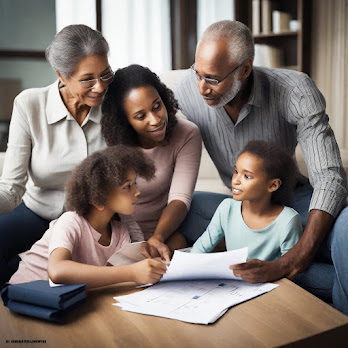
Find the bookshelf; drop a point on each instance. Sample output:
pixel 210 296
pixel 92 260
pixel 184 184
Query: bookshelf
pixel 291 47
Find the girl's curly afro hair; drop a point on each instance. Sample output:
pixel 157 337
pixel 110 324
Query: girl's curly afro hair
pixel 92 181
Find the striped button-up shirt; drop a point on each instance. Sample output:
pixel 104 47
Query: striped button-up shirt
pixel 285 107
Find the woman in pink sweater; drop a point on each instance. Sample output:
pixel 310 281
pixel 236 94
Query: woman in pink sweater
pixel 139 110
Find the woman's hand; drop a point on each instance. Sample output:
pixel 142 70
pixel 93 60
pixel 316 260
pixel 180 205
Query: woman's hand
pixel 155 248
pixel 148 271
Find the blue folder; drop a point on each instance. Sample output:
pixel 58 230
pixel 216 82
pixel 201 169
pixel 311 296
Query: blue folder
pixel 39 300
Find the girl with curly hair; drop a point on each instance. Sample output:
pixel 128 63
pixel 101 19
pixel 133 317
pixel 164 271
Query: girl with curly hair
pixel 139 110
pixel 257 217
pixel 77 245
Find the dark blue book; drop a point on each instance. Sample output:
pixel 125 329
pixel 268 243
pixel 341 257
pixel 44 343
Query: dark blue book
pixel 50 314
pixel 41 294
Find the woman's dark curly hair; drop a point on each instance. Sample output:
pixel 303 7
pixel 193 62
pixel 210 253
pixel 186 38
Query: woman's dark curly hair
pixel 278 164
pixel 115 126
pixel 92 181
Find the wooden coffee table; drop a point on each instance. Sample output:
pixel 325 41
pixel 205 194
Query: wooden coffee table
pixel 287 315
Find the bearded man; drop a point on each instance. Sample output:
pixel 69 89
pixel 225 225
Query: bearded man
pixel 233 102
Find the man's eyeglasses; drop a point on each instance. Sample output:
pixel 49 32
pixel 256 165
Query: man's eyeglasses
pixel 213 82
pixel 90 83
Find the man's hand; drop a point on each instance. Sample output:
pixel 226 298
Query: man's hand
pixel 155 248
pixel 296 260
pixel 257 271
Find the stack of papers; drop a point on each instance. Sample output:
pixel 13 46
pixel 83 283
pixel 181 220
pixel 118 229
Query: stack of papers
pixel 197 288
pixel 197 301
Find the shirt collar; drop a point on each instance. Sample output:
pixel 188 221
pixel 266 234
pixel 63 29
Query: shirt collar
pixel 96 236
pixel 255 94
pixel 95 114
pixel 56 109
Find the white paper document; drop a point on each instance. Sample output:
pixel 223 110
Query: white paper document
pixel 128 254
pixel 185 266
pixel 197 288
pixel 195 301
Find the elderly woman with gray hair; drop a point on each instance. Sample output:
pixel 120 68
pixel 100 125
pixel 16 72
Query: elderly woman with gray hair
pixel 52 129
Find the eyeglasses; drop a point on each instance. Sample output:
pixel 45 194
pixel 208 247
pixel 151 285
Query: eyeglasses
pixel 213 82
pixel 90 83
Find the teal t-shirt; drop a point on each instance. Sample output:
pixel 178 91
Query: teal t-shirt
pixel 267 244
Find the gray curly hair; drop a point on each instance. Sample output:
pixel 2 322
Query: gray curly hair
pixel 240 39
pixel 73 43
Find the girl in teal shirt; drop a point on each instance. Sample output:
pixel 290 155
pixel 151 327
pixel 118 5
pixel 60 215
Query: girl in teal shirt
pixel 257 217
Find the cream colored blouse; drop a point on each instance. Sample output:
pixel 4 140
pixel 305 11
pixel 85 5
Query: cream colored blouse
pixel 45 144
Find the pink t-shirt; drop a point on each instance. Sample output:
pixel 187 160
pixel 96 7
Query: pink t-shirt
pixel 74 233
pixel 177 165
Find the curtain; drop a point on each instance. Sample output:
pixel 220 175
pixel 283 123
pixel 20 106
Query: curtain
pixel 138 31
pixel 329 62
pixel 75 12
pixel 210 11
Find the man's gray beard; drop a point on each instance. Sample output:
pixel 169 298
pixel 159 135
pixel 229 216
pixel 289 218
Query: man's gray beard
pixel 229 95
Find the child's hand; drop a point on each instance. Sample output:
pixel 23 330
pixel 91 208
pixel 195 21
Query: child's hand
pixel 148 271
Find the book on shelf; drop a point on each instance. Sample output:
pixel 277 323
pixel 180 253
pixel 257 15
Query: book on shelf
pixel 266 15
pixel 280 21
pixel 256 16
pixel 268 56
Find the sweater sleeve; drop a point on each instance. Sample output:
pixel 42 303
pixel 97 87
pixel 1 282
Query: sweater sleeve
pixel 133 228
pixel 188 157
pixel 15 171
